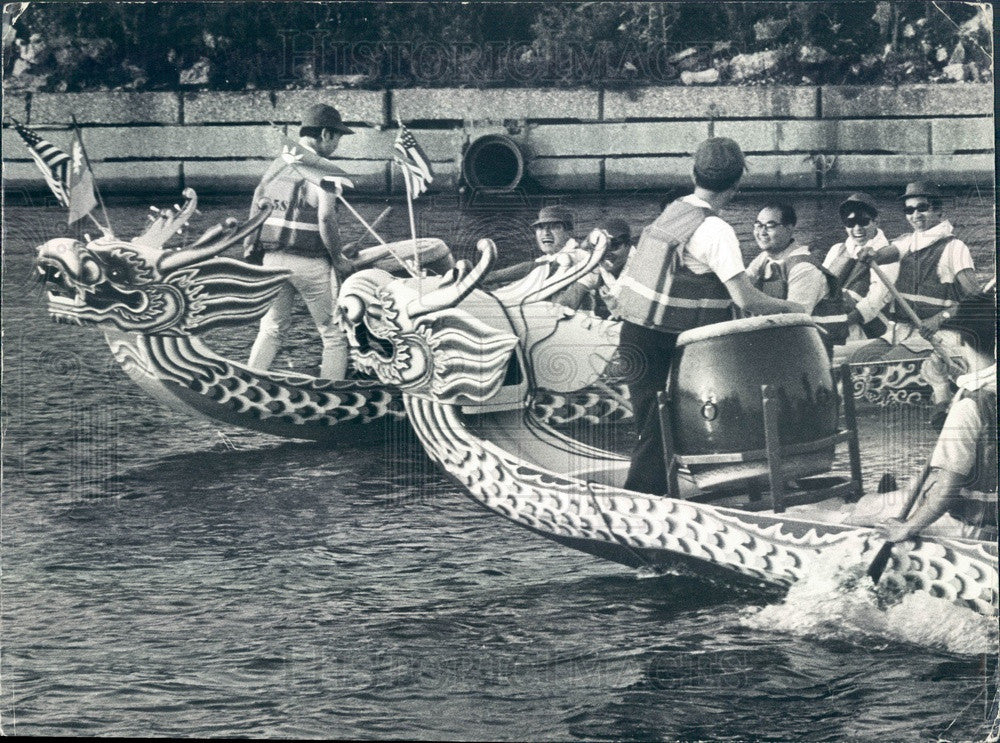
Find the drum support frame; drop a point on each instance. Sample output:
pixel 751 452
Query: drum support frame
pixel 780 496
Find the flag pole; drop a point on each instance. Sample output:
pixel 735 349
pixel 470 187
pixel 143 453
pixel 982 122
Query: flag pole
pixel 97 189
pixel 409 208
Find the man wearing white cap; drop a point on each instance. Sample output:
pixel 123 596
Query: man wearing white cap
pixel 686 271
pixel 302 236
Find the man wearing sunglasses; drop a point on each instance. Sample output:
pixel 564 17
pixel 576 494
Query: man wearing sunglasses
pixel 862 289
pixel 934 271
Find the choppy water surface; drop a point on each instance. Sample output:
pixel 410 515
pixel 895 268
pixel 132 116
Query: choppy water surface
pixel 164 576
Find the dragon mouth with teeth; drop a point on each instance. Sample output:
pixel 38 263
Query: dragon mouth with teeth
pixel 139 286
pixel 71 298
pixel 413 334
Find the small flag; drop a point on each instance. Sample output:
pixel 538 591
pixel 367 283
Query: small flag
pixel 80 183
pixel 53 162
pixel 413 161
pixel 313 167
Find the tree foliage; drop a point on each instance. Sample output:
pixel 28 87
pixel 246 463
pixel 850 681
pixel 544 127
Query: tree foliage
pixel 276 45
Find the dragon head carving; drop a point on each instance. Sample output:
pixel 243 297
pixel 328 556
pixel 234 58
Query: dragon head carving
pixel 444 339
pixel 419 335
pixel 137 286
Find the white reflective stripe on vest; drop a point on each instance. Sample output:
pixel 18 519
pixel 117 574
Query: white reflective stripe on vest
pixel 301 226
pixel 927 300
pixel 655 296
pixel 829 318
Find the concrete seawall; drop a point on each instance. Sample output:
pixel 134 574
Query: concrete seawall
pixel 575 140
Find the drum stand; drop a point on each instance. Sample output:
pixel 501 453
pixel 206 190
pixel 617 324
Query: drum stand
pixel 774 453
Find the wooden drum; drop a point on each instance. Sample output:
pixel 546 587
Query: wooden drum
pixel 715 399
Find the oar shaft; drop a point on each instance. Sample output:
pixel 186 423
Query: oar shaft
pixel 881 560
pixel 914 318
pixel 361 219
pixel 378 221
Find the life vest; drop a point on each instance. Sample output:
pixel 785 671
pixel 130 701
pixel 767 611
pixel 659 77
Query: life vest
pixel 293 226
pixel 977 505
pixel 860 280
pixel 657 291
pixel 829 312
pixel 919 284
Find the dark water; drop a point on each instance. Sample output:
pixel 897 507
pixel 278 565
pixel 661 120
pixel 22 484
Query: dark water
pixel 164 576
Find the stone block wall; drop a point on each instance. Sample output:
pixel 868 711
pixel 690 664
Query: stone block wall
pixel 573 140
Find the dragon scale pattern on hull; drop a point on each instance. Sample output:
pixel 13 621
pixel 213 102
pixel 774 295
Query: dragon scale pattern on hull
pixel 774 550
pixel 167 366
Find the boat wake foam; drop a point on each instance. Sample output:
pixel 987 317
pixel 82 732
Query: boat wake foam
pixel 835 599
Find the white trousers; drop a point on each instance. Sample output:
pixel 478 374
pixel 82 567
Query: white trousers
pixel 316 282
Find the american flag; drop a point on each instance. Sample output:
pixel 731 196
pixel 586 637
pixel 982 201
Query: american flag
pixel 413 162
pixel 53 162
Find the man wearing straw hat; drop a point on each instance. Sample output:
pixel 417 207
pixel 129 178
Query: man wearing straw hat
pixel 302 236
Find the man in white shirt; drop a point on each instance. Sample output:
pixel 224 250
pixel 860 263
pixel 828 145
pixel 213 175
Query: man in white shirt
pixel 771 271
pixel 302 236
pixel 962 477
pixel 934 271
pixel 687 271
pixel 787 270
pixel 554 235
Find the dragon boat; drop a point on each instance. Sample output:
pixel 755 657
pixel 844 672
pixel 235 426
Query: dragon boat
pixel 751 497
pixel 154 304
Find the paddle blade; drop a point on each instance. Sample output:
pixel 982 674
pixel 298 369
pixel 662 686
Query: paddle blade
pixel 878 565
pixel 887 483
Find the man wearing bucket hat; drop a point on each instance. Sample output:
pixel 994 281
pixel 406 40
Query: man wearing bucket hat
pixel 302 236
pixel 862 289
pixel 934 271
pixel 686 271
pixel 961 476
pixel 935 268
pixel 553 235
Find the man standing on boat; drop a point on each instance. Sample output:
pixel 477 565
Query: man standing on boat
pixel 302 236
pixel 784 269
pixel 961 479
pixel 686 271
pixel 861 287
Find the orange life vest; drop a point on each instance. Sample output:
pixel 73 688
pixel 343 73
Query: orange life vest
pixel 293 226
pixel 657 291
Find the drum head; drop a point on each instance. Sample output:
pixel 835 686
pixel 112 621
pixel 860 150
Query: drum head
pixel 747 325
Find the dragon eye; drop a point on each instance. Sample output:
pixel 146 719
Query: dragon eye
pixel 352 308
pixel 90 271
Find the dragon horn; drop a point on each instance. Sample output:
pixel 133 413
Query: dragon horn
pixel 458 282
pixel 181 258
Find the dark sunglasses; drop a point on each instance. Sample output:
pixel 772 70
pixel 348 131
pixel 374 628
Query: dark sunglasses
pixel 854 221
pixel 922 208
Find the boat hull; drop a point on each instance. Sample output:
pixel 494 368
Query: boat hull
pixel 571 494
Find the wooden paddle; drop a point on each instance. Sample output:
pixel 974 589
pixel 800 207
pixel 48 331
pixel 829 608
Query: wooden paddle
pixel 881 560
pixel 915 319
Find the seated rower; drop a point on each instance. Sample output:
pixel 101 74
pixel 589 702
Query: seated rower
pixel 959 496
pixel 786 270
pixel 934 271
pixel 862 288
pixel 553 235
pixel 619 248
